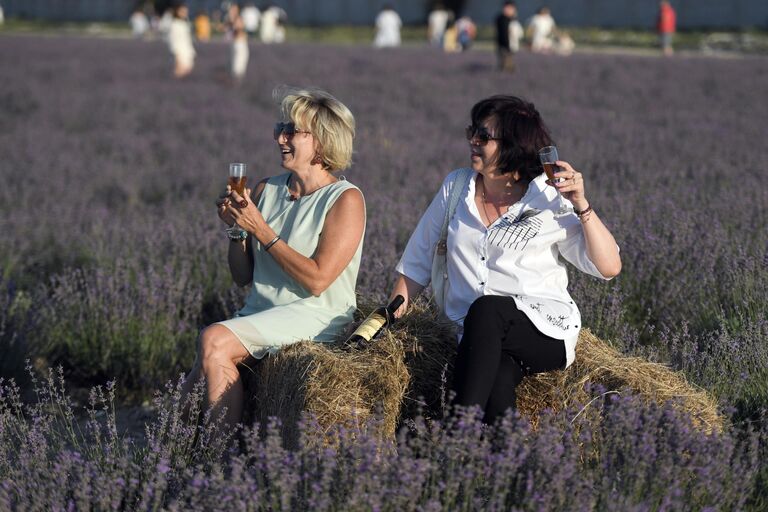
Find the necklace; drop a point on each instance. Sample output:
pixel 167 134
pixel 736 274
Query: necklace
pixel 485 211
pixel 295 196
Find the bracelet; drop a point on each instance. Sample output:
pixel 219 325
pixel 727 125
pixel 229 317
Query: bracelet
pixel 237 235
pixel 271 243
pixel 585 211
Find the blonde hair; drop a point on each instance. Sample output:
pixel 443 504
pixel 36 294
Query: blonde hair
pixel 328 119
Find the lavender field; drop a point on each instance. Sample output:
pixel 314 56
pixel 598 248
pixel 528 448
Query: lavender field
pixel 112 258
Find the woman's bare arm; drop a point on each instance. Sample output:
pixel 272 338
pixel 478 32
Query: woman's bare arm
pixel 342 231
pixel 239 257
pixel 409 289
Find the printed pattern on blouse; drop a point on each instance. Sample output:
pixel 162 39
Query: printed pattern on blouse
pixel 515 234
pixel 557 320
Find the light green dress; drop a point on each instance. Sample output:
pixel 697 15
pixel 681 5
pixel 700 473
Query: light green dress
pixel 278 311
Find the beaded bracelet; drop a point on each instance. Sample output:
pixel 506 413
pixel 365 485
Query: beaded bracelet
pixel 236 235
pixel 272 242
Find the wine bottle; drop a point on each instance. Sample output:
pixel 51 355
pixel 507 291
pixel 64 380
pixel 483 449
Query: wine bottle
pixel 374 323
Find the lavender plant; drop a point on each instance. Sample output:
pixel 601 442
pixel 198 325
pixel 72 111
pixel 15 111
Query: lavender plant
pixel 112 258
pixel 616 453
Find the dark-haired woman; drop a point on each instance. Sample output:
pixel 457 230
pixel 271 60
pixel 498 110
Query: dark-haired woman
pixel 507 284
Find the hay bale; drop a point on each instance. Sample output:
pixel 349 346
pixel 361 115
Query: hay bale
pixel 337 387
pixel 597 362
pixel 430 348
pixel 408 370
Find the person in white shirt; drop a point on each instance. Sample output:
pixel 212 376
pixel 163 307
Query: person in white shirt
pixel 388 25
pixel 437 22
pixel 163 24
pixel 180 42
pixel 516 34
pixel 271 28
pixel 506 286
pixel 541 31
pixel 251 15
pixel 139 23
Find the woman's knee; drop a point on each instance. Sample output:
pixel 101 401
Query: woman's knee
pixel 217 343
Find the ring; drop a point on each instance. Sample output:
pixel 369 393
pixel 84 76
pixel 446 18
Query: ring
pixel 243 203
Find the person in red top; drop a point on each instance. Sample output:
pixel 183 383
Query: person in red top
pixel 666 26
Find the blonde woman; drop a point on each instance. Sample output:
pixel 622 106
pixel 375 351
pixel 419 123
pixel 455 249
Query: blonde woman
pixel 301 256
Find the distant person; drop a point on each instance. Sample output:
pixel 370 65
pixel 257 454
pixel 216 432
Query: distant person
pixel 666 25
pixel 180 41
pixel 251 15
pixel 508 34
pixel 466 31
pixel 388 24
pixel 541 31
pixel 231 15
pixel 451 38
pixel 139 23
pixel 516 34
pixel 437 23
pixel 202 27
pixel 563 43
pixel 272 25
pixel 240 51
pixel 154 19
pixel 282 18
pixel 163 23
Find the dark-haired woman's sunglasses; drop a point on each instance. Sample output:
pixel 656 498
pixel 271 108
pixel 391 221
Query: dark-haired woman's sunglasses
pixel 479 135
pixel 287 129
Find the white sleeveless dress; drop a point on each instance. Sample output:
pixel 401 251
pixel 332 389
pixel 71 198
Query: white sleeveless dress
pixel 278 311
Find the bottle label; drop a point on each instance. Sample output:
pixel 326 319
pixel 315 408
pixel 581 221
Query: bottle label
pixel 368 329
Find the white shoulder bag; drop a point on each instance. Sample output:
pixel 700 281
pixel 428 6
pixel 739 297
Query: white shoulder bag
pixel 439 259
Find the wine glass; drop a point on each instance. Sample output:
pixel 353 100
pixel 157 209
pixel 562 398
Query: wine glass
pixel 237 179
pixel 548 157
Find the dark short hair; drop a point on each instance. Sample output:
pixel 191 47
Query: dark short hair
pixel 521 130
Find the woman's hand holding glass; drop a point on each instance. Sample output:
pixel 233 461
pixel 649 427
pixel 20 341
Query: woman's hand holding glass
pixel 236 181
pixel 248 217
pixel 571 185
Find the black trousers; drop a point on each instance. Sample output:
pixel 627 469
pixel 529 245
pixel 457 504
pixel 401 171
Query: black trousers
pixel 499 347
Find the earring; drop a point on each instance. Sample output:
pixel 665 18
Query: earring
pixel 317 160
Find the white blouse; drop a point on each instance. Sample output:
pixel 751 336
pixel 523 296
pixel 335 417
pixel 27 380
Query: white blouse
pixel 517 256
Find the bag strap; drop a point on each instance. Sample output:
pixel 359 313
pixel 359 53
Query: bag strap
pixel 462 178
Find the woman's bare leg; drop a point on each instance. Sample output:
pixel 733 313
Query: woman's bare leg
pixel 220 353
